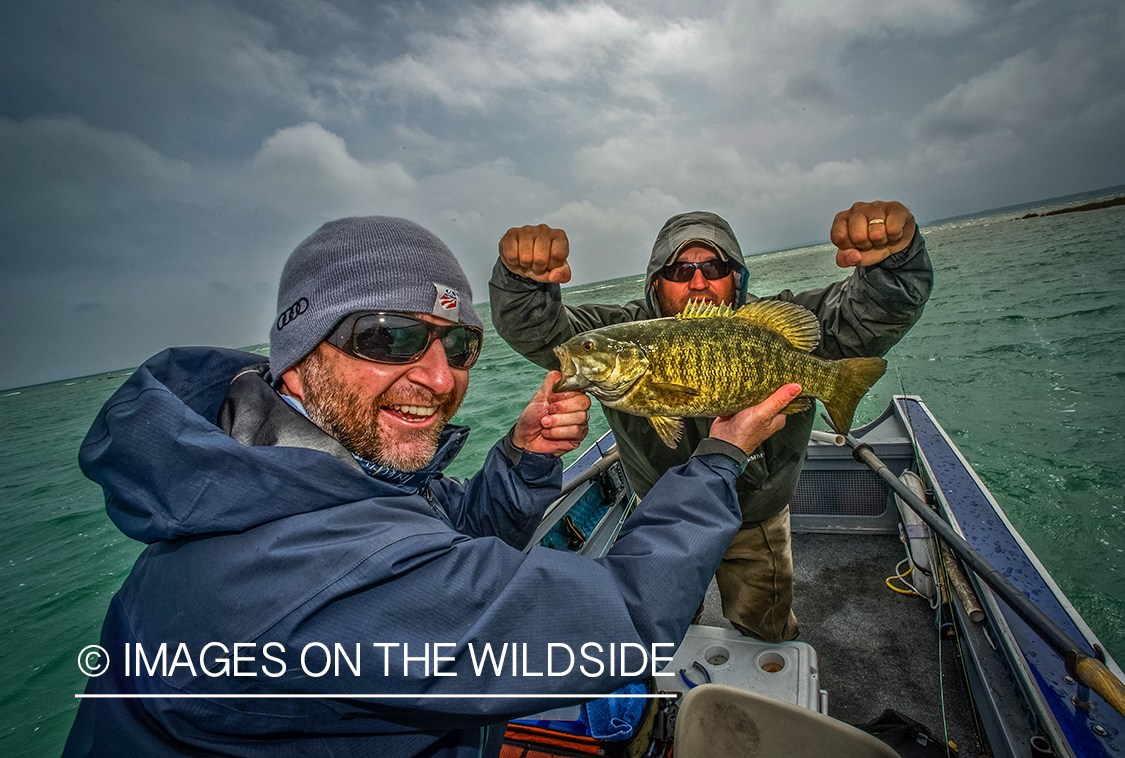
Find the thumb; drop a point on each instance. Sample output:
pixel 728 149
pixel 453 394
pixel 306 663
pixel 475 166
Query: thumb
pixel 559 275
pixel 782 397
pixel 848 257
pixel 548 385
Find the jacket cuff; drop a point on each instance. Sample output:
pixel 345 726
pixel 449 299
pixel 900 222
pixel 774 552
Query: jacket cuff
pixel 715 446
pixel 903 256
pixel 536 469
pixel 514 453
pixel 517 455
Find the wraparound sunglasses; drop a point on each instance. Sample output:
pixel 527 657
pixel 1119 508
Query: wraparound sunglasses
pixel 388 337
pixel 684 271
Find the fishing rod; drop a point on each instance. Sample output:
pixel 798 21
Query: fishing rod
pixel 1091 671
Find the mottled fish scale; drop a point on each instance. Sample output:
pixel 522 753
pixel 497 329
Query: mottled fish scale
pixel 700 356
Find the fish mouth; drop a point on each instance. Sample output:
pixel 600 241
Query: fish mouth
pixel 611 393
pixel 571 379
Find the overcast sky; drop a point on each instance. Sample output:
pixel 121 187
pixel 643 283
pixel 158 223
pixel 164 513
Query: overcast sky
pixel 159 159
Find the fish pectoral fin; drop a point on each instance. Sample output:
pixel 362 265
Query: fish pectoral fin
pixel 669 429
pixel 799 405
pixel 672 394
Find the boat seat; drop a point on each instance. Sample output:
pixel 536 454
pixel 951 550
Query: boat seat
pixel 716 721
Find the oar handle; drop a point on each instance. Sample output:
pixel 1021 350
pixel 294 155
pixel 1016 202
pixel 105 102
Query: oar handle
pixel 1097 676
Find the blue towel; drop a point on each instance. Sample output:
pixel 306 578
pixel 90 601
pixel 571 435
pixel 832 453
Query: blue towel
pixel 614 719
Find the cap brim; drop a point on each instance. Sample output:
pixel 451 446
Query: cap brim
pixel 695 242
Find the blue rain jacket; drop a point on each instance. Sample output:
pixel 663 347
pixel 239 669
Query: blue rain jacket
pixel 276 568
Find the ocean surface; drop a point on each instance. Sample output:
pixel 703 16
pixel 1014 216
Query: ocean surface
pixel 1019 355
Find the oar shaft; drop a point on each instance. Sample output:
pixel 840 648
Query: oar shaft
pixel 597 467
pixel 1043 625
pixel 1087 669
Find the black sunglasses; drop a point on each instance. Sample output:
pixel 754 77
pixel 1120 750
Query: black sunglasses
pixel 684 271
pixel 385 337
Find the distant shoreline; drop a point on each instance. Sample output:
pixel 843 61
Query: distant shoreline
pixel 1007 209
pixel 1087 207
pixel 1089 195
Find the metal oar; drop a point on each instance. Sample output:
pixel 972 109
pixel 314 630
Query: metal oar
pixel 1087 669
pixel 599 466
pixel 550 518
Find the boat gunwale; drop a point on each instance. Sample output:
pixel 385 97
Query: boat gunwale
pixel 1044 689
pixel 1088 634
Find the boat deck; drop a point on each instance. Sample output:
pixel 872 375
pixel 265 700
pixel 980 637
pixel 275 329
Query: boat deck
pixel 879 650
pixel 876 649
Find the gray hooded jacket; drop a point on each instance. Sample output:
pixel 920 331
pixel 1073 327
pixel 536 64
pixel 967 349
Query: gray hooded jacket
pixel 863 315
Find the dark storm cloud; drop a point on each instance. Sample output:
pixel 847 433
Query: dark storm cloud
pixel 158 159
pixel 68 191
pixel 810 86
pixel 1053 82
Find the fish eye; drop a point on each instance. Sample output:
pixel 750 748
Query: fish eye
pixel 588 345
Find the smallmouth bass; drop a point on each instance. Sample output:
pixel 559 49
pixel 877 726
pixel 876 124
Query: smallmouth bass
pixel 711 361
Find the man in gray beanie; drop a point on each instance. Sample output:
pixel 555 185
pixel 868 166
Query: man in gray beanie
pixel 696 257
pixel 313 583
pixel 368 266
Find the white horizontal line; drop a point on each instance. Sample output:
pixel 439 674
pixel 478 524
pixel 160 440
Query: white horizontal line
pixel 375 696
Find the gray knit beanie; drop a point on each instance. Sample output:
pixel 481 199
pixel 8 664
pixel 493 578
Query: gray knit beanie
pixel 363 264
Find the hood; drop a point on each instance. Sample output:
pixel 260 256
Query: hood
pixel 168 471
pixel 701 226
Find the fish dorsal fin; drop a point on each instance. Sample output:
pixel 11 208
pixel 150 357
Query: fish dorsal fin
pixel 704 309
pixel 793 322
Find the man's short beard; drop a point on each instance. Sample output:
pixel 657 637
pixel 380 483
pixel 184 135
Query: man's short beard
pixel 339 411
pixel 669 307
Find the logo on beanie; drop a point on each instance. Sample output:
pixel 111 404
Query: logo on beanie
pixel 292 312
pixel 447 302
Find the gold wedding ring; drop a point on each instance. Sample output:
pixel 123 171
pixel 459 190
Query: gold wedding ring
pixel 876 221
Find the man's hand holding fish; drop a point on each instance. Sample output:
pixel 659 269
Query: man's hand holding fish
pixel 752 426
pixel 554 422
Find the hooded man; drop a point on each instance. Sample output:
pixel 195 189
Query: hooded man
pixel 696 256
pixel 313 584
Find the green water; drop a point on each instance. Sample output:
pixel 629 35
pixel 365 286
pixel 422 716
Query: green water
pixel 1017 355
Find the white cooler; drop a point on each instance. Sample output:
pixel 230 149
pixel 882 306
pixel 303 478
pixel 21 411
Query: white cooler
pixel 786 671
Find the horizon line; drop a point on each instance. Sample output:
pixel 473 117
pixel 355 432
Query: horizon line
pixel 377 696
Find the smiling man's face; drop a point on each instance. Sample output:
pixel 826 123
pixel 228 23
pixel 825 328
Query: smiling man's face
pixel 389 414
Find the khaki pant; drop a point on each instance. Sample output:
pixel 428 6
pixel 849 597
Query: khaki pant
pixel 755 581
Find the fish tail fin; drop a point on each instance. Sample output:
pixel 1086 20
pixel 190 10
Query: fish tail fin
pixel 857 376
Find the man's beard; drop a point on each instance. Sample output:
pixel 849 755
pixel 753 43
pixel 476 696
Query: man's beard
pixel 671 307
pixel 355 424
